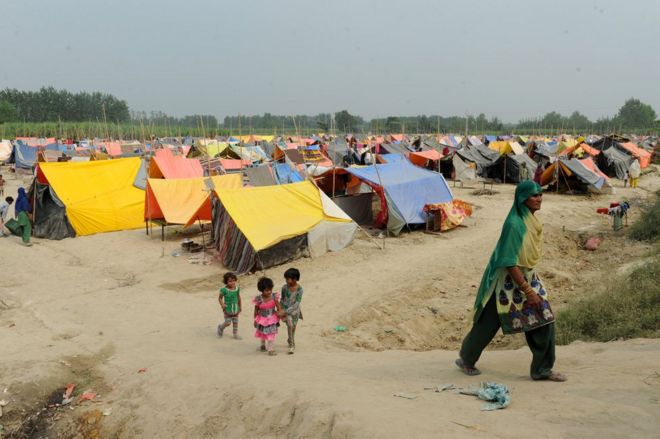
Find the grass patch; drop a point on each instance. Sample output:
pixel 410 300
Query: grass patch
pixel 628 307
pixel 647 228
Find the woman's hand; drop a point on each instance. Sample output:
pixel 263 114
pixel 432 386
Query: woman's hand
pixel 534 300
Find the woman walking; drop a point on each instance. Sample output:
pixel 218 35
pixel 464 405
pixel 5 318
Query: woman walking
pixel 511 294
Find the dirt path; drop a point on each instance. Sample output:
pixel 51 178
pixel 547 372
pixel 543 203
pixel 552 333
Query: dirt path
pixel 95 310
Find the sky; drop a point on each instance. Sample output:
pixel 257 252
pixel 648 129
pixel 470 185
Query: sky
pixel 512 59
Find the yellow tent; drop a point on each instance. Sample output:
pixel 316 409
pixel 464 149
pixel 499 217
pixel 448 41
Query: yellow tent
pixel 183 200
pixel 501 146
pixel 98 196
pixel 504 147
pixel 267 215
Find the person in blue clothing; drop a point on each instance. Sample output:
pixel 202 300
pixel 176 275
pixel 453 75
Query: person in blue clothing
pixel 23 214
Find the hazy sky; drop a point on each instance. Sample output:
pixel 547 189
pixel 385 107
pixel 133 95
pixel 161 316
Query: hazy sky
pixel 506 58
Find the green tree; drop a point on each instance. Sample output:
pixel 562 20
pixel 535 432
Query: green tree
pixel 392 124
pixel 346 122
pixel 636 114
pixel 7 112
pixel 578 120
pixel 553 120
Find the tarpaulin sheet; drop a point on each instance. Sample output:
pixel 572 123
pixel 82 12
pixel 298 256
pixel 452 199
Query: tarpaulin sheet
pixel 643 155
pixel 589 164
pixel 392 158
pixel 285 174
pixel 463 172
pixel 408 186
pixel 261 176
pixel 180 200
pixel 166 165
pixel 25 156
pixel 358 207
pixel 210 148
pixel 252 153
pixel 270 214
pixel 614 162
pixel 99 196
pixel 583 173
pixel 5 150
pixel 419 158
pixel 234 164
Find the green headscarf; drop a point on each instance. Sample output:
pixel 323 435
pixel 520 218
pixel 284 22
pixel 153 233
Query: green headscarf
pixel 518 224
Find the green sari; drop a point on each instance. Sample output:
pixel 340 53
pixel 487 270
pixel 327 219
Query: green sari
pixel 520 244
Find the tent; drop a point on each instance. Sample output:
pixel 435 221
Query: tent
pixel 547 150
pixel 506 147
pixel 613 162
pixel 250 153
pixel 404 189
pixel 183 200
pixel 23 156
pixel 464 172
pixel 260 227
pixel 509 166
pixel 262 175
pixel 286 174
pixel 166 165
pixel 97 196
pixel 233 165
pixel 5 150
pixel 482 156
pixel 421 158
pixel 576 175
pixel 211 148
pixel 641 154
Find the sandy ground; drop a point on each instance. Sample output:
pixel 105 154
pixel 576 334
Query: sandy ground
pixel 95 310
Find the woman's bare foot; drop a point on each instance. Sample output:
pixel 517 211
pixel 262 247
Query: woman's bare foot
pixel 467 370
pixel 557 377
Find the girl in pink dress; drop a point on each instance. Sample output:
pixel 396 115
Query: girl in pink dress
pixel 267 311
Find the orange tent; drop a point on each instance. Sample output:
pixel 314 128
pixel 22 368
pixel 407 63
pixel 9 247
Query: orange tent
pixel 420 158
pixel 589 164
pixel 166 165
pixel 234 164
pixel 639 153
pixel 183 200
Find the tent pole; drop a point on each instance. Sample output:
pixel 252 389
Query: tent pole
pixel 334 177
pixel 201 226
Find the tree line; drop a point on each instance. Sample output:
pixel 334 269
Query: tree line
pixel 634 115
pixel 158 118
pixel 49 105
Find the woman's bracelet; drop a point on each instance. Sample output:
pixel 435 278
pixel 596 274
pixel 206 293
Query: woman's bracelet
pixel 526 289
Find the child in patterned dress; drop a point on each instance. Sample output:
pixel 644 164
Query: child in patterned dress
pixel 291 297
pixel 230 301
pixel 267 311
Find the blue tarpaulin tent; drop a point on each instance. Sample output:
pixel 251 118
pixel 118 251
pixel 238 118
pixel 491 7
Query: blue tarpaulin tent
pixel 407 189
pixel 392 158
pixel 24 156
pixel 285 174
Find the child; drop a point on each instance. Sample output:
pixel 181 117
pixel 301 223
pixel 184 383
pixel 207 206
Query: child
pixel 267 310
pixel 291 296
pixel 230 301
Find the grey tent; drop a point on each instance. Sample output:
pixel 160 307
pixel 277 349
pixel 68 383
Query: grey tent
pixel 614 162
pixel 337 149
pixel 507 168
pixel 480 155
pixel 394 148
pixel 261 175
